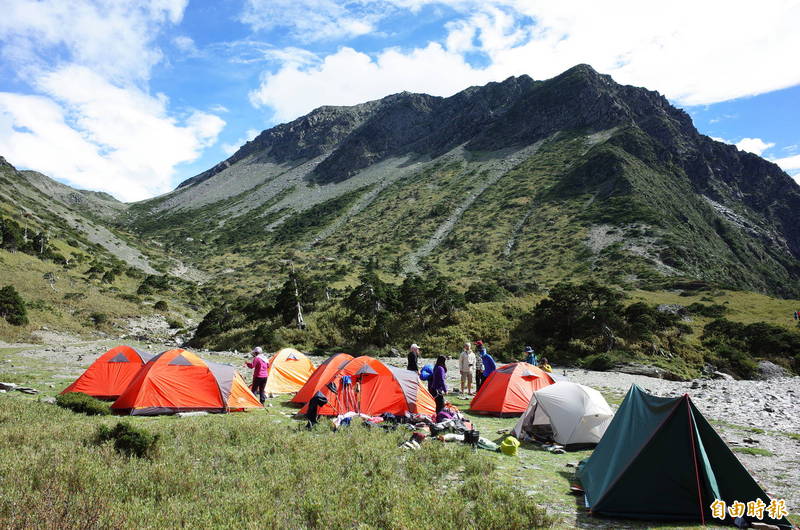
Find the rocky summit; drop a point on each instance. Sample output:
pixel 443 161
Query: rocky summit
pixel 570 177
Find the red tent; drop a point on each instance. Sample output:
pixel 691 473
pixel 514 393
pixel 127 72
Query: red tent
pixel 180 381
pixel 320 377
pixel 508 390
pixel 110 374
pixel 368 386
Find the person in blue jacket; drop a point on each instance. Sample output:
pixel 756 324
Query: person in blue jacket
pixel 531 356
pixel 488 362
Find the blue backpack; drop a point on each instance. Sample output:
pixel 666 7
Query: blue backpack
pixel 426 372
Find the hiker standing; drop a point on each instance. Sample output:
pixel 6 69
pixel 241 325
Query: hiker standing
pixel 260 366
pixel 531 356
pixel 413 358
pixel 488 362
pixel 478 366
pixel 466 363
pixel 437 385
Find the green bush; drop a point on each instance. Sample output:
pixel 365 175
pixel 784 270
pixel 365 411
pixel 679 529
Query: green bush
pixel 12 307
pixel 710 311
pixel 83 403
pixel 128 440
pixel 98 318
pixel 75 296
pixel 600 362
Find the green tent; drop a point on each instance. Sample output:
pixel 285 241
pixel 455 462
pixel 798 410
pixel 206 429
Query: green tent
pixel 661 460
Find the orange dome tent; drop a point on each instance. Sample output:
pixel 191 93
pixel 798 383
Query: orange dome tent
pixel 180 381
pixel 288 371
pixel 508 390
pixel 110 374
pixel 368 386
pixel 320 377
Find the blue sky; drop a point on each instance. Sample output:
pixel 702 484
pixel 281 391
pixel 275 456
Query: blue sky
pixel 132 98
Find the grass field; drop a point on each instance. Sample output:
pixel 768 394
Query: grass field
pixel 261 469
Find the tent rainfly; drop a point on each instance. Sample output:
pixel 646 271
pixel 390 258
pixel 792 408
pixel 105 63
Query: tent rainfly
pixel 661 460
pixel 366 385
pixel 288 371
pixel 571 414
pixel 180 381
pixel 111 373
pixel 508 390
pixel 320 377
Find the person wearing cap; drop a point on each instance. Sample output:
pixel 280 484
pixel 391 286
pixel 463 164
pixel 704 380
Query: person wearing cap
pixel 260 366
pixel 488 362
pixel 531 356
pixel 466 362
pixel 413 358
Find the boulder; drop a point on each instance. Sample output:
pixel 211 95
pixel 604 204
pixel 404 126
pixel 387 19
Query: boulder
pixel 768 370
pixel 650 371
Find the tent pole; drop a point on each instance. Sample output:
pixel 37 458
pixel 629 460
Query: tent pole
pixel 694 454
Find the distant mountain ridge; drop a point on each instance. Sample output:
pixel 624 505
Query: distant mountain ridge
pixel 575 176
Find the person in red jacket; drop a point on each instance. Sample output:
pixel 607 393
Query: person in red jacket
pixel 260 366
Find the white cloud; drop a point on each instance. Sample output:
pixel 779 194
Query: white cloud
pixel 95 135
pixel 312 20
pixel 694 53
pixel 754 145
pixel 229 149
pixel 349 77
pixel 112 38
pixel 186 45
pixel 789 163
pixel 90 120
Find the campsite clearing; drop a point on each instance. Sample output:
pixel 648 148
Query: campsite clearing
pixel 205 471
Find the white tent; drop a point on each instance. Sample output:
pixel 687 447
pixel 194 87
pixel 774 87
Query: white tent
pixel 576 414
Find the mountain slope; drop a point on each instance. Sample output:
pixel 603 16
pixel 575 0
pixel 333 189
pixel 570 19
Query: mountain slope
pixel 541 180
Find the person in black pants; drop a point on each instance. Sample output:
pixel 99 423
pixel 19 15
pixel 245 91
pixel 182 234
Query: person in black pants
pixel 413 358
pixel 437 385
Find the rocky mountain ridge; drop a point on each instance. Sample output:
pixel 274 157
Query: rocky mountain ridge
pixel 569 177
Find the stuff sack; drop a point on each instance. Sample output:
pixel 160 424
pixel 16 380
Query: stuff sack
pixel 509 446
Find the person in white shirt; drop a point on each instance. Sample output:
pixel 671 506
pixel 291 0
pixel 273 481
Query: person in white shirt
pixel 466 364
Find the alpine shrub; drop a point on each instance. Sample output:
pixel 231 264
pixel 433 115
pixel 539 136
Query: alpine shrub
pixel 98 318
pixel 600 362
pixel 83 403
pixel 12 307
pixel 128 440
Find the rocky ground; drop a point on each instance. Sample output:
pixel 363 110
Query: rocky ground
pixel 752 416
